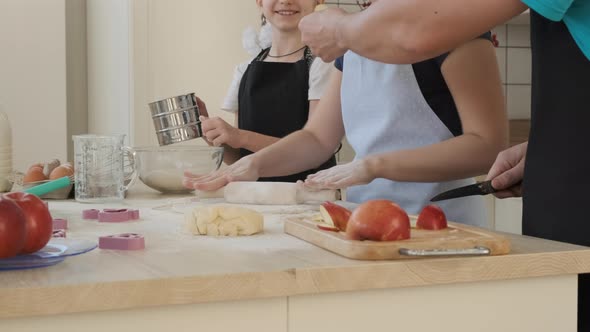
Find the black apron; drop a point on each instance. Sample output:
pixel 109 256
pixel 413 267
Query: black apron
pixel 556 185
pixel 273 100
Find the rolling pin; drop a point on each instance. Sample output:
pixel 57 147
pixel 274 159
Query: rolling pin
pixel 275 193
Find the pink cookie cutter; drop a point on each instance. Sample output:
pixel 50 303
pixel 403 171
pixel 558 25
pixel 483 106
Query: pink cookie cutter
pixel 59 223
pixel 90 214
pixel 59 233
pixel 127 241
pixel 111 215
pixel 119 215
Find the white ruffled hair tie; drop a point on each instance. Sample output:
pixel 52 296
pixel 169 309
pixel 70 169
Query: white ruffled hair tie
pixel 255 41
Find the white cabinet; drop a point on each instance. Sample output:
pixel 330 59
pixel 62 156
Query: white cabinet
pixel 508 215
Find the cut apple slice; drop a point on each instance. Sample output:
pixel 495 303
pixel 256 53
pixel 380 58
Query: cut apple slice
pixel 335 215
pixel 432 217
pixel 317 218
pixel 326 218
pixel 326 227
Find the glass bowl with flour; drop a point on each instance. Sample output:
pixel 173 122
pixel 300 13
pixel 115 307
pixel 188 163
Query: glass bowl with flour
pixel 162 168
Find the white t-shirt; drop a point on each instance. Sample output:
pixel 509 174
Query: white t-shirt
pixel 319 75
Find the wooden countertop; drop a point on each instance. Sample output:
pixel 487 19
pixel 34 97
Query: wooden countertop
pixel 179 268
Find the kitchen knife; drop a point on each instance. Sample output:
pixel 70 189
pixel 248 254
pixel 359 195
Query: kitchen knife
pixel 480 188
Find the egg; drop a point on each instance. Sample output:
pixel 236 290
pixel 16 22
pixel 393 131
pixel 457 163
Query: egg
pixel 34 174
pixel 50 166
pixel 37 165
pixel 61 171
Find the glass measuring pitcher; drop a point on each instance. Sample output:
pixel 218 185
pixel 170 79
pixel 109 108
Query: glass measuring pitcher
pixel 104 168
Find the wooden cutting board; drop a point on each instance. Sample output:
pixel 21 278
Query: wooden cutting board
pixel 456 237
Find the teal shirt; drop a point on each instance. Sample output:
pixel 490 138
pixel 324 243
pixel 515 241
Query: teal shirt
pixel 574 13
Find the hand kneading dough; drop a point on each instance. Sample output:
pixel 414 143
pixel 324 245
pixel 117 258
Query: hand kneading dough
pixel 224 220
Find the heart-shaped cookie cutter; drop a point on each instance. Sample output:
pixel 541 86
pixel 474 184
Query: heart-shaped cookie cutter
pixel 126 241
pixel 111 215
pixel 90 214
pixel 59 233
pixel 60 223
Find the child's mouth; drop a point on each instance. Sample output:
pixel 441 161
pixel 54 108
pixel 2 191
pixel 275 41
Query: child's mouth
pixel 286 12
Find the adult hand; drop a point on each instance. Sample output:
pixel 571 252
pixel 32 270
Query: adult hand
pixel 318 31
pixel 244 169
pixel 508 170
pixel 218 132
pixel 341 176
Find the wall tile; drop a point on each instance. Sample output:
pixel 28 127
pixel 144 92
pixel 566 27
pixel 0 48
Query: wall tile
pixel 519 66
pixel 501 56
pixel 518 36
pixel 505 92
pixel 500 32
pixel 522 19
pixel 348 5
pixel 519 101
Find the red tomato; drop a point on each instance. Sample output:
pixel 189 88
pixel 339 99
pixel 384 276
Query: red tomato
pixel 432 217
pixel 378 220
pixel 38 221
pixel 12 228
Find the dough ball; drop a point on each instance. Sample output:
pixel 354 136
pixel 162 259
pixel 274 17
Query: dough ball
pixel 224 220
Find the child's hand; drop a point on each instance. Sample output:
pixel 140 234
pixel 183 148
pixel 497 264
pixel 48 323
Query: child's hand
pixel 341 176
pixel 245 169
pixel 218 132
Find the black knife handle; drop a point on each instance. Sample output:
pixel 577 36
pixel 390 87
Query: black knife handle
pixel 486 187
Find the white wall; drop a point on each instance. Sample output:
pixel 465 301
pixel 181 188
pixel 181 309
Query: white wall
pixel 76 62
pixel 182 46
pixel 109 67
pixel 33 78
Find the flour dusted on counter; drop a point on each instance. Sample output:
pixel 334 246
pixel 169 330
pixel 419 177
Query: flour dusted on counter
pixel 224 220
